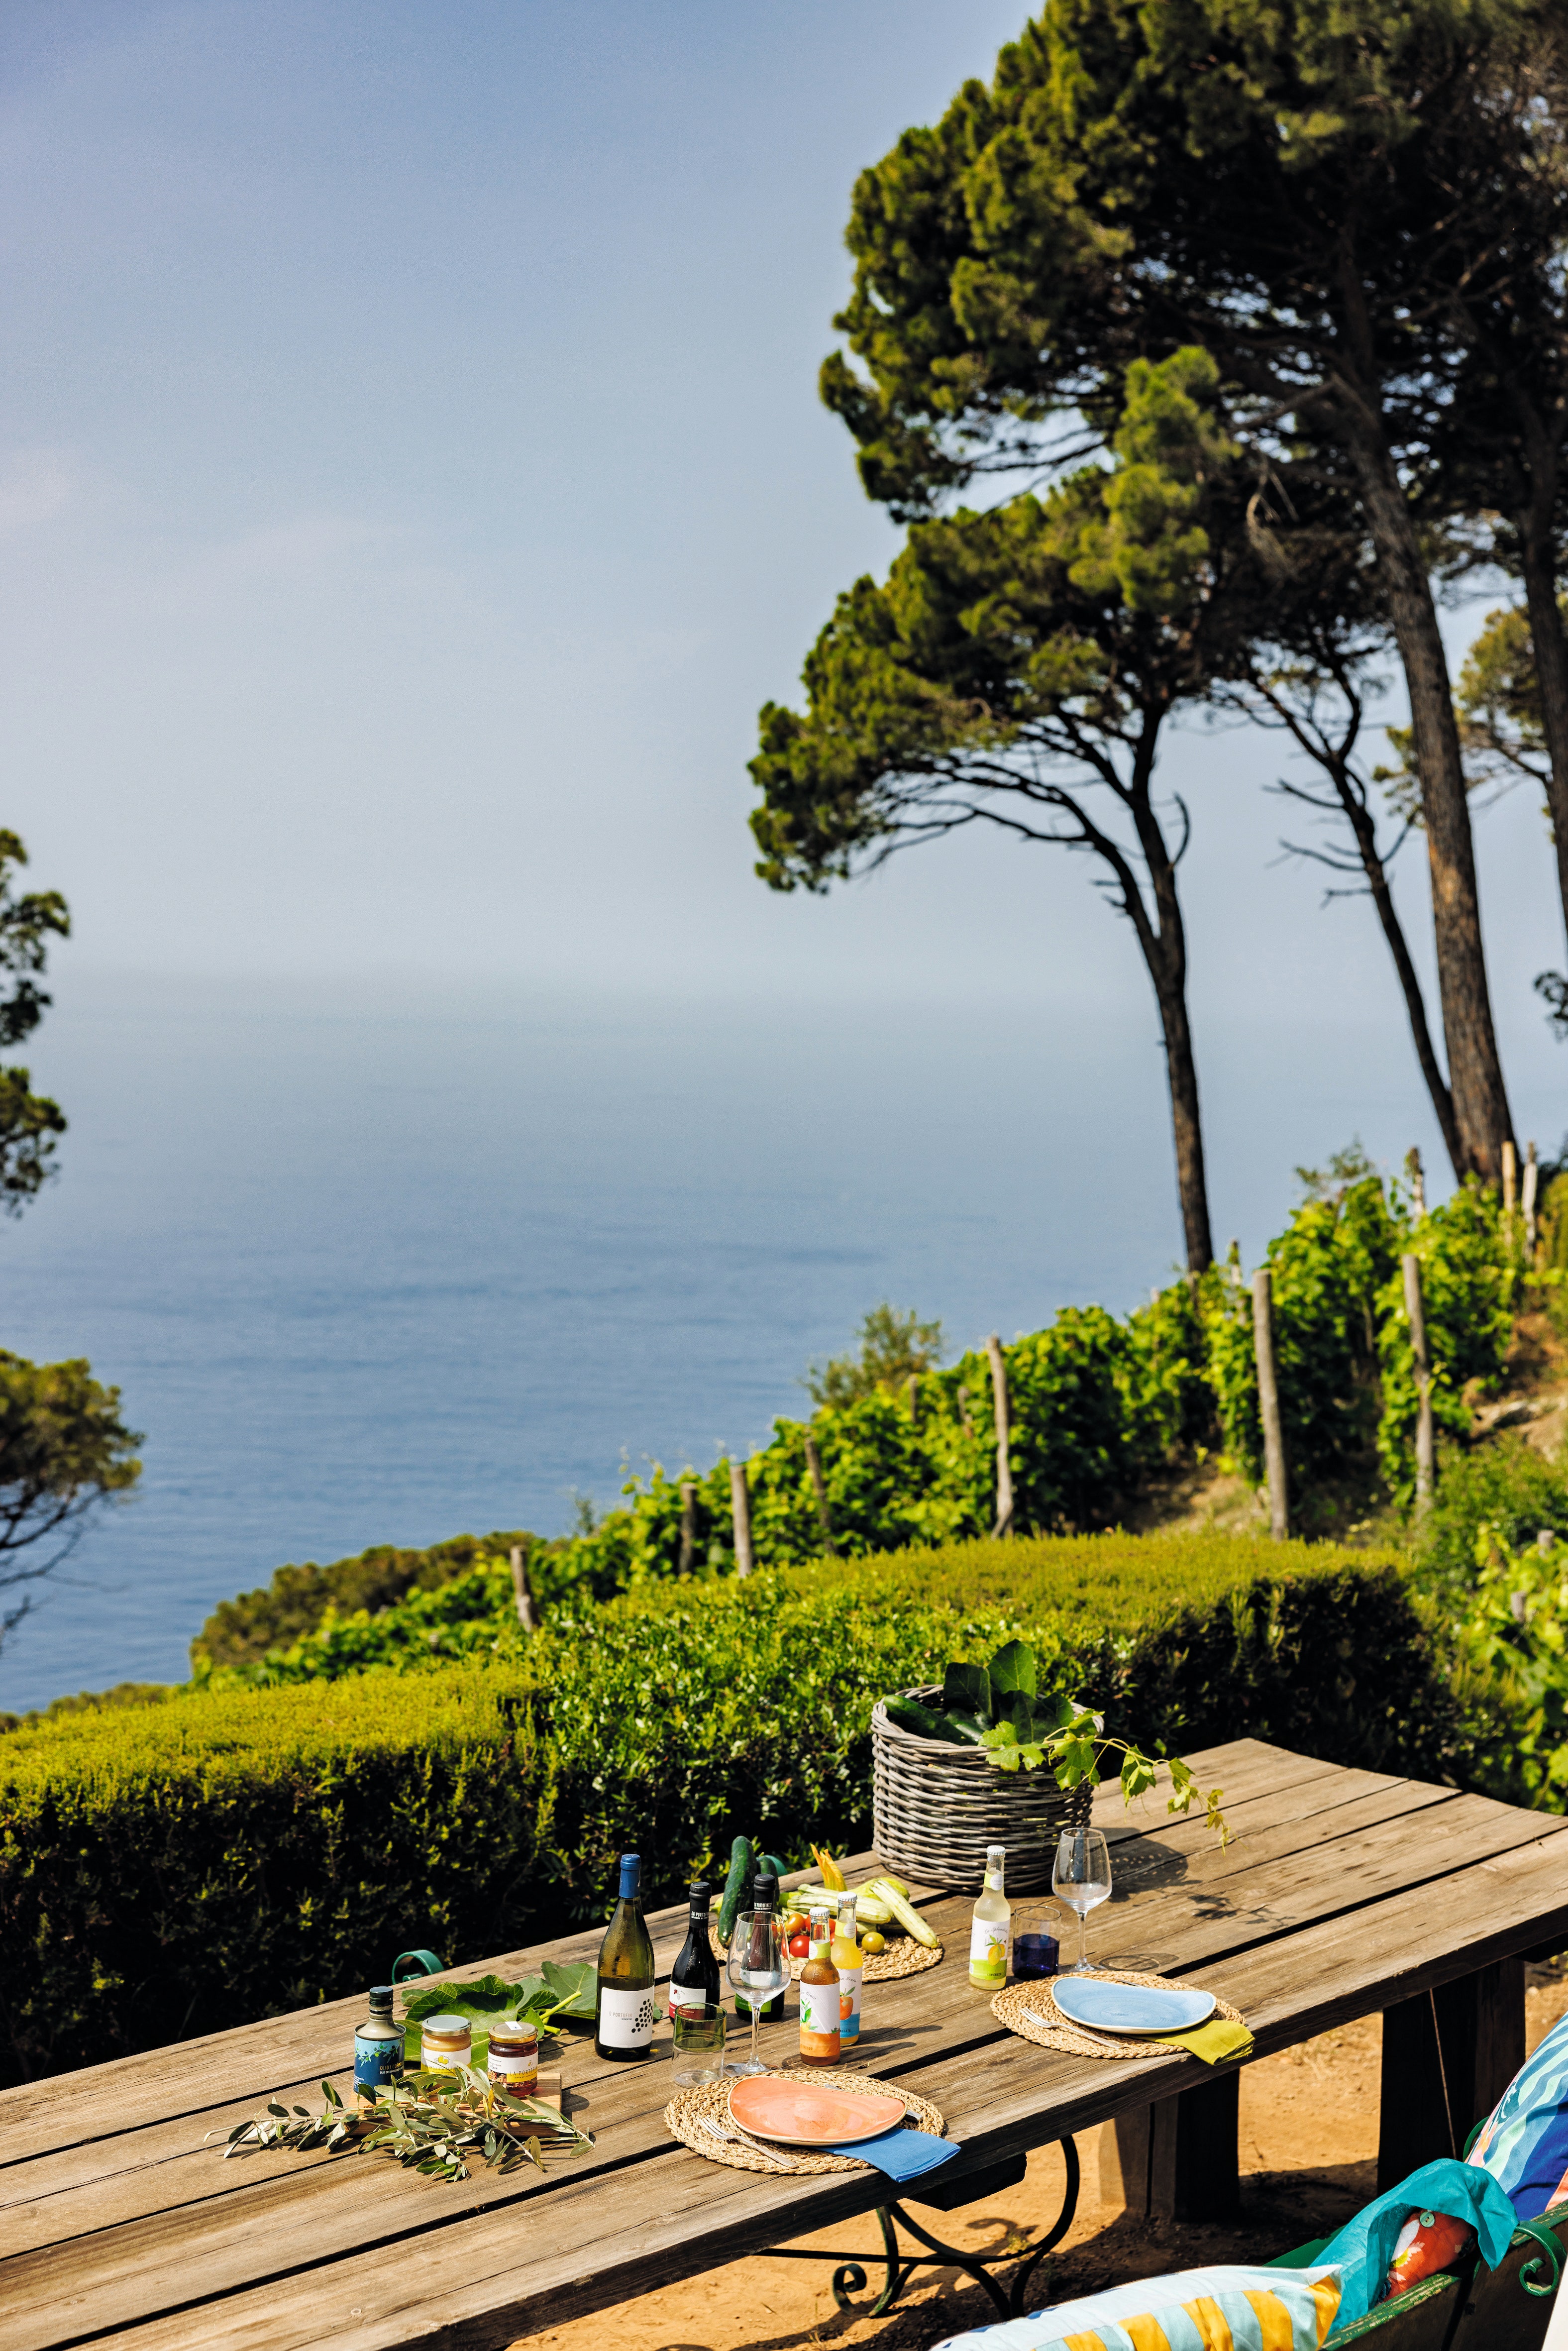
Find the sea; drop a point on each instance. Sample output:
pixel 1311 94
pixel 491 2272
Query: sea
pixel 386 1261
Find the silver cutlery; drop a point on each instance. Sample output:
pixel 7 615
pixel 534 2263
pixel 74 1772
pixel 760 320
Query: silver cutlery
pixel 739 2138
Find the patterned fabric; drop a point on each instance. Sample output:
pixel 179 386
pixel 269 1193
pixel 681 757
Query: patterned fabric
pixel 1523 2142
pixel 1229 2309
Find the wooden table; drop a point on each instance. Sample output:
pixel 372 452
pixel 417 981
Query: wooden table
pixel 1343 1893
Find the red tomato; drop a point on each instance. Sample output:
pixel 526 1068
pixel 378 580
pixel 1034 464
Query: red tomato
pixel 799 1947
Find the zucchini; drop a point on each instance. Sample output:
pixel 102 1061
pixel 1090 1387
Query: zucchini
pixel 869 1911
pixel 768 1865
pixel 881 1889
pixel 734 1884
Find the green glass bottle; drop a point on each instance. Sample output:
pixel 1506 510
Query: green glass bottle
pixel 626 2009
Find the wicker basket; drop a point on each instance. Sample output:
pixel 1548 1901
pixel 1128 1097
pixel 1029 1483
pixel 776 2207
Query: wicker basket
pixel 935 1809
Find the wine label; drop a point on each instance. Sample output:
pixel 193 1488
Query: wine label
pixel 688 1996
pixel 378 2059
pixel 988 1950
pixel 626 2019
pixel 849 1982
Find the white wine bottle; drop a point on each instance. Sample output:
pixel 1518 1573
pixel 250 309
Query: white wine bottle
pixel 988 1930
pixel 626 2009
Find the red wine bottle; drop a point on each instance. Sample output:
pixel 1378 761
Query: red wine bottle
pixel 694 1977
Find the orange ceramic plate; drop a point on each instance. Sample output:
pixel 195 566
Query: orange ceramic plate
pixel 807 2114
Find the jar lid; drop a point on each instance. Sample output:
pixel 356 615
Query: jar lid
pixel 447 2027
pixel 508 2030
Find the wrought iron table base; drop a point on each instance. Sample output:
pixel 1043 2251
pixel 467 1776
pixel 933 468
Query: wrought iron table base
pixel 851 2276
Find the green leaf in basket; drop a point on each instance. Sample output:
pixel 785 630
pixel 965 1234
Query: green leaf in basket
pixel 1013 1668
pixel 966 1690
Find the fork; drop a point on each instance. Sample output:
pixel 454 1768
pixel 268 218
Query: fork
pixel 739 2138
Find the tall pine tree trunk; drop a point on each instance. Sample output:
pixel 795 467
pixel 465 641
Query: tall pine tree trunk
pixel 1550 643
pixel 1475 1069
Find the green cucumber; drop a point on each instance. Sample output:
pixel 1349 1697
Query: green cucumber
pixel 734 1884
pixel 770 1866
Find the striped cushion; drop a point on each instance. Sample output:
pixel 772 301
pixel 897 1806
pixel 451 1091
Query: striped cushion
pixel 1229 2309
pixel 1523 2142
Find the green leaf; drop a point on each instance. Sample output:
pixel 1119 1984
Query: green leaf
pixel 479 1996
pixel 1014 1668
pixel 574 1986
pixel 966 1690
pixel 961 1729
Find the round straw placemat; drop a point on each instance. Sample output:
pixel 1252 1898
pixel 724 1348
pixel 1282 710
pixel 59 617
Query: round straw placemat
pixel 1030 2010
pixel 708 2102
pixel 902 1956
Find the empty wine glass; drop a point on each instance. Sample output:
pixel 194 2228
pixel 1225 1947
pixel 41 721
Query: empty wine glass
pixel 758 1968
pixel 1082 1877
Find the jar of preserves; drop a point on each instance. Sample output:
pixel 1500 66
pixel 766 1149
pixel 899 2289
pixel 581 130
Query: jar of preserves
pixel 514 2058
pixel 446 2042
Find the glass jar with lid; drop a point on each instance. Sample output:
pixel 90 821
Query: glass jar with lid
pixel 446 2042
pixel 513 2060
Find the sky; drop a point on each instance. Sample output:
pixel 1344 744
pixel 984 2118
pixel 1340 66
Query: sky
pixel 413 482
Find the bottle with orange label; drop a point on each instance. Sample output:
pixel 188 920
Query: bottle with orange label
pixel 820 1998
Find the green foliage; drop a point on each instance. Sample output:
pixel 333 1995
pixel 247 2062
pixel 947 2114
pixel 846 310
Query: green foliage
pixel 28 1122
pixel 297 1598
pixel 1514 1638
pixel 173 1869
pixel 1471 1280
pixel 64 1450
pixel 895 1348
pixel 1504 1485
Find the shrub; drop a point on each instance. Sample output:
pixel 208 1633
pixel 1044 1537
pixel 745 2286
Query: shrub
pixel 171 1869
pixel 297 1598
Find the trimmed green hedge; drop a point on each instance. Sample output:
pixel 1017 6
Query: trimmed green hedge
pixel 170 1870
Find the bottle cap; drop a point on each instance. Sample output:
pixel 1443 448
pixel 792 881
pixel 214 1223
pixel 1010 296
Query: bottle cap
pixel 995 1855
pixel 381 1995
pixel 699 1890
pixel 631 1875
pixel 767 1890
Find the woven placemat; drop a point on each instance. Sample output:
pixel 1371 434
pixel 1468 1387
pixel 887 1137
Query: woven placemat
pixel 709 2102
pixel 902 1956
pixel 1030 2010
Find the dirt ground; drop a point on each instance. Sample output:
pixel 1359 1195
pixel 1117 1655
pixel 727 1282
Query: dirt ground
pixel 1309 2148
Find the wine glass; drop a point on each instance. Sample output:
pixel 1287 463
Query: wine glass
pixel 1082 1877
pixel 758 1966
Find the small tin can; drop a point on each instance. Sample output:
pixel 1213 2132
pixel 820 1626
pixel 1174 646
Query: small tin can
pixel 514 2058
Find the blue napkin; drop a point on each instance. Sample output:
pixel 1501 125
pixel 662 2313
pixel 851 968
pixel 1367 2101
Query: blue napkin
pixel 902 2154
pixel 1364 2246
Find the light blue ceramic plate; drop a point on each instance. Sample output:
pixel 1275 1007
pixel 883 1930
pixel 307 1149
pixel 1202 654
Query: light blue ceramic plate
pixel 1129 2008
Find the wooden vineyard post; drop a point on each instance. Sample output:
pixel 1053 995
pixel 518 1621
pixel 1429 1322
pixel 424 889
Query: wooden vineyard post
pixel 1004 1525
pixel 1510 1178
pixel 1269 1404
pixel 914 1386
pixel 814 1464
pixel 1418 1181
pixel 528 1607
pixel 740 1502
pixel 1527 1196
pixel 1416 1310
pixel 689 1528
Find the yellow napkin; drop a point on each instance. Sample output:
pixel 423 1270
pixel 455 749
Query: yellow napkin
pixel 1214 2041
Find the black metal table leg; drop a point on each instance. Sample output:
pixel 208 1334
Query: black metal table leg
pixel 851 2276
